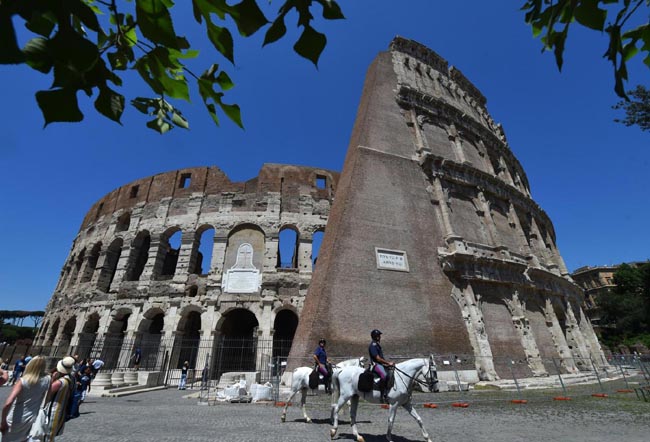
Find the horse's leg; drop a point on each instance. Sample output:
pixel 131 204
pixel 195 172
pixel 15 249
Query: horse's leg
pixel 335 415
pixel 409 407
pixel 354 405
pixel 303 399
pixel 391 420
pixel 283 418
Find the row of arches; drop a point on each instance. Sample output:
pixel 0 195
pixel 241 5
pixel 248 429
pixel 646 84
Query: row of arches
pixel 200 252
pixel 166 339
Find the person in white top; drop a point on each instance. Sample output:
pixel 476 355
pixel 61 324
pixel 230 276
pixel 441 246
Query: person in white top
pixel 24 401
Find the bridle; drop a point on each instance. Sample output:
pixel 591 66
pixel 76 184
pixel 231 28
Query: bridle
pixel 431 378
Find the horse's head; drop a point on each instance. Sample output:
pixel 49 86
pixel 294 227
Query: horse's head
pixel 431 374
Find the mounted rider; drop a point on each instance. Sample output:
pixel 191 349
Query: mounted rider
pixel 381 366
pixel 324 365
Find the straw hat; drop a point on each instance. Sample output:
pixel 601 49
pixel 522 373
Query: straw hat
pixel 65 365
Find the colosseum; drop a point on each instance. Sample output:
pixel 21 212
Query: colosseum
pixel 186 262
pixel 433 237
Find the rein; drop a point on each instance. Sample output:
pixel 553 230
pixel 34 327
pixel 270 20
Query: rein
pixel 428 383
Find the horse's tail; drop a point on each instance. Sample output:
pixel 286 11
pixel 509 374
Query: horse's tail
pixel 336 390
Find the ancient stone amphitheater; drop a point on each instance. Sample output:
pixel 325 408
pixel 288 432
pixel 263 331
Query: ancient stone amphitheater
pixel 128 284
pixel 433 237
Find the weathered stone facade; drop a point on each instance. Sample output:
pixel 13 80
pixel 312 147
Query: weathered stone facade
pixel 124 281
pixel 430 179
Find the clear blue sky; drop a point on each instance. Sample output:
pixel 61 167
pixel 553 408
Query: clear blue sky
pixel 590 174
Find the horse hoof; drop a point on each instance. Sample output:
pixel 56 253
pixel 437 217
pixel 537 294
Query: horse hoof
pixel 360 439
pixel 283 418
pixel 308 420
pixel 332 433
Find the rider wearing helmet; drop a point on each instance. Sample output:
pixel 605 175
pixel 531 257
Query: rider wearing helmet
pixel 320 356
pixel 380 364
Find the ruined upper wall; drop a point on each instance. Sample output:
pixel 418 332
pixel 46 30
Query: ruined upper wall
pixel 290 181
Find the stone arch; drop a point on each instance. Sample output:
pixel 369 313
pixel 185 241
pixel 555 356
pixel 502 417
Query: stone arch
pixel 237 341
pixel 42 333
pixel 113 254
pixel 317 240
pixel 76 267
pixel 284 329
pixel 114 337
pixel 88 335
pixel 246 233
pixel 288 244
pixel 168 252
pixel 123 222
pixel 201 256
pixel 53 332
pixel 150 333
pixel 138 255
pixel 91 263
pixel 186 345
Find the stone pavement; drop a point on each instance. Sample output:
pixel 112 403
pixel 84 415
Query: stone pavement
pixel 167 416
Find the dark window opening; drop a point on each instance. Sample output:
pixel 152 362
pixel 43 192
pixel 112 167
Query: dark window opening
pixel 186 180
pixel 99 210
pixel 321 182
pixel 134 191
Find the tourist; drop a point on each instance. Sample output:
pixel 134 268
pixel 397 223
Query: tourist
pixel 96 365
pixel 381 366
pixel 137 358
pixel 79 384
pixel 19 368
pixel 60 396
pixel 4 374
pixel 184 369
pixel 24 402
pixel 86 377
pixel 324 366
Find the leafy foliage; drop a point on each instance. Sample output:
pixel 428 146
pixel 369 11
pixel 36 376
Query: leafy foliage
pixel 551 19
pixel 625 311
pixel 637 109
pixel 85 44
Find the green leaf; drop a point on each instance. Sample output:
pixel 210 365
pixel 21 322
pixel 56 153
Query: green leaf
pixel 118 60
pixel 10 53
pixel 110 104
pixel 59 105
pixel 588 14
pixel 42 24
pixel 159 125
pixel 74 51
pixel 224 81
pixel 87 16
pixel 233 112
pixel 310 44
pixel 37 55
pixel 222 41
pixel 248 17
pixel 179 120
pixel 275 32
pixel 331 10
pixel 155 22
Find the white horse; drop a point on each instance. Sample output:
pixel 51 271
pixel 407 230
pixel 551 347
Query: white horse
pixel 300 383
pixel 407 373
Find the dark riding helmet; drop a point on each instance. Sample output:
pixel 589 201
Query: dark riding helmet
pixel 375 334
pixel 322 341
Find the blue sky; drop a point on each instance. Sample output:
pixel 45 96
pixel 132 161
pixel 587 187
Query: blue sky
pixel 590 174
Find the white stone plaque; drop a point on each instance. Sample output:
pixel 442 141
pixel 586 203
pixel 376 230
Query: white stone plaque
pixel 388 259
pixel 243 277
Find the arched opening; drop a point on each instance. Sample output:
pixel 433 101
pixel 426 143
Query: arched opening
pixel 317 239
pixel 114 339
pixel 186 346
pixel 91 263
pixel 237 345
pixel 150 340
pixel 138 256
pixel 123 222
pixel 88 335
pixel 284 328
pixel 67 333
pixel 76 267
pixel 169 249
pixel 288 248
pixel 110 265
pixel 245 234
pixel 202 254
pixel 53 332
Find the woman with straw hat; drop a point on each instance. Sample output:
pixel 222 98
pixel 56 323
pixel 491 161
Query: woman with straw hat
pixel 59 396
pixel 24 401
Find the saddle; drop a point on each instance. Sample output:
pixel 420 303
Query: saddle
pixel 315 378
pixel 369 381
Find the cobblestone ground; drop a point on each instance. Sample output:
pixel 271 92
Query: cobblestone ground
pixel 167 416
